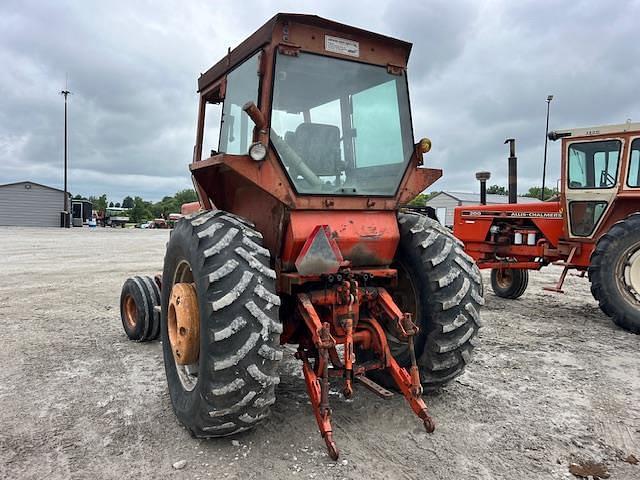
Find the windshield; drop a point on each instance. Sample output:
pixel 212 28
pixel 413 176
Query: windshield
pixel 340 127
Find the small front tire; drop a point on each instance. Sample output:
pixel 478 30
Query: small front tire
pixel 509 283
pixel 138 301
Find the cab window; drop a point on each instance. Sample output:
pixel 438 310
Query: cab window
pixel 594 164
pixel 633 179
pixel 585 216
pixel 236 131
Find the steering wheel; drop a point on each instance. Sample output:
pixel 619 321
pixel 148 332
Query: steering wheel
pixel 605 178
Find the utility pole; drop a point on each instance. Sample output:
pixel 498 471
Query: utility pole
pixel 546 140
pixel 65 206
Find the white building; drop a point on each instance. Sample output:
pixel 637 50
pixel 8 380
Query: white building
pixel 30 204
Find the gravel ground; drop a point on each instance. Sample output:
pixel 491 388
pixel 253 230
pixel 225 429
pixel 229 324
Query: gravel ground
pixel 553 382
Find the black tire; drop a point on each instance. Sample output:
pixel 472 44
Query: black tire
pixel 443 291
pixel 615 254
pixel 140 320
pixel 509 282
pixel 239 324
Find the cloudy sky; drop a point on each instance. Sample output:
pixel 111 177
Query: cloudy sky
pixel 480 72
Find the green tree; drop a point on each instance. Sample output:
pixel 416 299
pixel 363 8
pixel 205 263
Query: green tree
pixel 117 205
pixel 534 192
pixel 421 199
pixel 100 203
pixel 110 204
pixel 78 197
pixel 497 190
pixel 186 196
pixel 165 206
pixel 140 210
pixel 128 202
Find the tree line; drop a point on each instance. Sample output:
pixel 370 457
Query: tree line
pixel 533 192
pixel 140 210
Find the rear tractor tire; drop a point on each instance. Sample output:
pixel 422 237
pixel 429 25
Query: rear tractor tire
pixel 615 273
pixel 441 286
pixel 220 324
pixel 138 301
pixel 509 282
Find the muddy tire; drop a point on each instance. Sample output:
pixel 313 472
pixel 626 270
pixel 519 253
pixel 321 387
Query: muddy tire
pixel 231 385
pixel 140 320
pixel 509 282
pixel 614 273
pixel 442 287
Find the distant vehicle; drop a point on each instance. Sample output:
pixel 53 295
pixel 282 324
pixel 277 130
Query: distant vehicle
pixel 116 217
pixel 160 223
pixel 593 226
pixel 81 212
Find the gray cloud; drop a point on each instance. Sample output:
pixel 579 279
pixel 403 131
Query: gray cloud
pixel 479 73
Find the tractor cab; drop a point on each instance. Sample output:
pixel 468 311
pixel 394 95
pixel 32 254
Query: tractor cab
pixel 315 116
pixel 600 175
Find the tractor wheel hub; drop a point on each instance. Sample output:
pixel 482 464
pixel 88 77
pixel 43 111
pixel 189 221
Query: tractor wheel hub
pixel 183 324
pixel 632 274
pixel 130 311
pixel 504 278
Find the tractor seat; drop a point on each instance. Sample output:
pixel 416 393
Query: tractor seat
pixel 318 145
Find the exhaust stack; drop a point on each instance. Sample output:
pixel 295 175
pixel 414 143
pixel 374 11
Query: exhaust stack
pixel 482 177
pixel 513 170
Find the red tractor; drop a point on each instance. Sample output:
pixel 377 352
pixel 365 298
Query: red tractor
pixel 593 227
pixel 299 238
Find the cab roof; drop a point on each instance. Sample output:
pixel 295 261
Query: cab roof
pixel 594 131
pixel 268 33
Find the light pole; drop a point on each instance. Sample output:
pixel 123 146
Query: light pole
pixel 65 221
pixel 546 140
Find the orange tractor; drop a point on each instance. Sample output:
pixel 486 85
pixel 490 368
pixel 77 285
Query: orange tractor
pixel 300 240
pixel 593 227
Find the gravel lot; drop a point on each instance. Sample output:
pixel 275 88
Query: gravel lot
pixel 553 382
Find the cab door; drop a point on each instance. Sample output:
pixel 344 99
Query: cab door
pixel 633 171
pixel 592 171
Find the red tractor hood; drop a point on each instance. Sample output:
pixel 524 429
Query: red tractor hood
pixel 472 222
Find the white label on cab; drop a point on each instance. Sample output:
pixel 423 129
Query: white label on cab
pixel 342 46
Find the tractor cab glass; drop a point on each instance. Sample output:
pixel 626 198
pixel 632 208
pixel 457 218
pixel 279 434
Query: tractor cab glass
pixel 633 179
pixel 236 129
pixel 340 127
pixel 594 164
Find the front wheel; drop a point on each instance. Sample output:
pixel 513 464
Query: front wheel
pixel 614 273
pixel 138 301
pixel 509 282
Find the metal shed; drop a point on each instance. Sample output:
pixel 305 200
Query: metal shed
pixel 444 203
pixel 30 204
